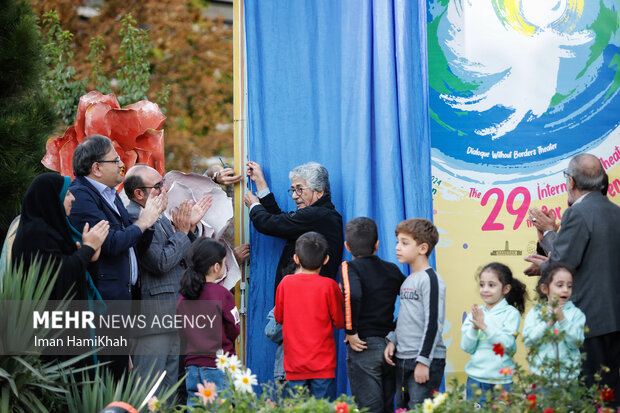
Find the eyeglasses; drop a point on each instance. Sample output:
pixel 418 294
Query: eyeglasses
pixel 158 185
pixel 299 190
pixel 117 161
pixel 566 175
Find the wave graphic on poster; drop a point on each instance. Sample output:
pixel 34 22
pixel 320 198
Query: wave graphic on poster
pixel 521 84
pixel 499 41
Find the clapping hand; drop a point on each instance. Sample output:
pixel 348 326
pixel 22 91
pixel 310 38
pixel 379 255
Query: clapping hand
pixel 95 236
pixel 543 221
pixel 181 218
pixel 477 315
pixel 155 205
pixel 536 261
pixel 199 209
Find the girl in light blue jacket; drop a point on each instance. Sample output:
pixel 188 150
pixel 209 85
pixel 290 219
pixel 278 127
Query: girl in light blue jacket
pixel 555 285
pixel 489 332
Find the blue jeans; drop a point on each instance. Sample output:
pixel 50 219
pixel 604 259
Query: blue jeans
pixel 319 388
pixel 201 375
pixel 485 387
pixel 372 380
pixel 408 392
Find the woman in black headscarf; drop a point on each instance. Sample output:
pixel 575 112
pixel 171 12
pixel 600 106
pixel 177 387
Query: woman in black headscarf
pixel 45 232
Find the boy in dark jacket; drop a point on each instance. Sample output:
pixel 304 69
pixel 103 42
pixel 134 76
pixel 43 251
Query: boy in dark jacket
pixel 370 289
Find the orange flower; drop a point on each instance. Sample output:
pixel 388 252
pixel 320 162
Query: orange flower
pixel 532 399
pixel 135 131
pixel 498 349
pixel 206 392
pixel 507 371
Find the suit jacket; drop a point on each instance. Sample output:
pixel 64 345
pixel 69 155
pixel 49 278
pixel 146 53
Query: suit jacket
pixel 589 241
pixel 114 278
pixel 320 217
pixel 161 267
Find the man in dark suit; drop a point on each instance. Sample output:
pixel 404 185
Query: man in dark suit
pixel 589 241
pixel 98 169
pixel 161 266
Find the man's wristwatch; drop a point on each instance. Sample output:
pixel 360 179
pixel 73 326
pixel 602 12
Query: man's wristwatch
pixel 215 177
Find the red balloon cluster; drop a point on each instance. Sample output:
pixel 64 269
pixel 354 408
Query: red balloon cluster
pixel 135 131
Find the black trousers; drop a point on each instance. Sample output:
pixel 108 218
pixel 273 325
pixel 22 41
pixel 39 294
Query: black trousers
pixel 603 351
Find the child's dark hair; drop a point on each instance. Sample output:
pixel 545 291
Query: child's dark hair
pixel 518 291
pixel 203 254
pixel 361 236
pixel 546 277
pixel 421 230
pixel 311 249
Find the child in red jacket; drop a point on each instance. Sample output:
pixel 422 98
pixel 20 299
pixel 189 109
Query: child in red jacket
pixel 308 306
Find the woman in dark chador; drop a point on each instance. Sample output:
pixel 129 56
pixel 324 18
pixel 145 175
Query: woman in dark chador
pixel 45 232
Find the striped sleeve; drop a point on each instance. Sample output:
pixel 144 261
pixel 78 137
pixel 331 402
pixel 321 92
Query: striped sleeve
pixel 352 297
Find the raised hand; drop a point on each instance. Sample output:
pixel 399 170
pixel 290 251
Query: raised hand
pixel 536 260
pixel 543 221
pixel 154 206
pixel 95 236
pixel 226 176
pixel 477 315
pixel 199 209
pixel 249 198
pixel 255 173
pixel 181 217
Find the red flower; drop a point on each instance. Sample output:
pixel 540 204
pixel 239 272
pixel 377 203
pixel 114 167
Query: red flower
pixel 532 399
pixel 498 349
pixel 607 394
pixel 135 131
pixel 433 392
pixel 342 407
pixel 506 371
pixel 548 410
pixel 533 386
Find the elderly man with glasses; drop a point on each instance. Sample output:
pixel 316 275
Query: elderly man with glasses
pixel 161 267
pixel 98 170
pixel 315 212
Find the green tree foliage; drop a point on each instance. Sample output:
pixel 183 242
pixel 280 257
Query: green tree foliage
pixel 59 84
pixel 26 116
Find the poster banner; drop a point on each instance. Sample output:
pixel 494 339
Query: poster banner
pixel 516 88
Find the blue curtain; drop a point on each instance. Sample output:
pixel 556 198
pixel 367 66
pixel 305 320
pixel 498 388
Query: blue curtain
pixel 342 83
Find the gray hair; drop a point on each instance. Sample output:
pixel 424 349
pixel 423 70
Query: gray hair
pixel 314 174
pixel 587 172
pixel 93 149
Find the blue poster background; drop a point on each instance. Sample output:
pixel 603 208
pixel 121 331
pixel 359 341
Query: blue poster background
pixel 342 83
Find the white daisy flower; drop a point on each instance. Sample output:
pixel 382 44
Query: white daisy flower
pixel 234 365
pixel 221 360
pixel 438 399
pixel 428 407
pixel 245 380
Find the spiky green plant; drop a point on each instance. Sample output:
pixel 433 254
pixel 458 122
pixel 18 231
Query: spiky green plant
pixel 94 393
pixel 27 383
